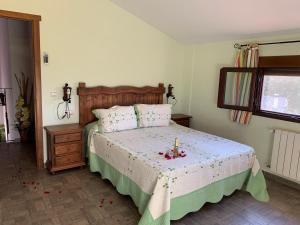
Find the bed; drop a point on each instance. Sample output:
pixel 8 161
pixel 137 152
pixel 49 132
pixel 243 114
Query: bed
pixel 165 190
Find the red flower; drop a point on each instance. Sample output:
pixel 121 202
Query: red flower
pixel 167 156
pixel 161 153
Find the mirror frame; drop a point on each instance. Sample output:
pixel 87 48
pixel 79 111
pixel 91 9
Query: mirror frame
pixel 222 88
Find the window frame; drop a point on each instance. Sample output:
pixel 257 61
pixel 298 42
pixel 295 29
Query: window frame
pixel 259 91
pixel 256 89
pixel 222 88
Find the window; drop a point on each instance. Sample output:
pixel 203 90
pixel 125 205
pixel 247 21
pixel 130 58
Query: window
pixel 278 94
pixel 229 89
pixel 268 91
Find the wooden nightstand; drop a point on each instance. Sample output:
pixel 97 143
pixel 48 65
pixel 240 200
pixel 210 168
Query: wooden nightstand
pixel 64 147
pixel 181 119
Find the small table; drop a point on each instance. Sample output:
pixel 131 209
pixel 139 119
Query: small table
pixel 64 147
pixel 181 119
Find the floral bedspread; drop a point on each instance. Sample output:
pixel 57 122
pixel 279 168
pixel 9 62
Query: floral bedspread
pixel 135 154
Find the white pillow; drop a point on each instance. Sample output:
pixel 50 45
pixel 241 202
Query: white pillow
pixel 153 115
pixel 116 118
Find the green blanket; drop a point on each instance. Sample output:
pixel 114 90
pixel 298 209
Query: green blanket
pixel 181 205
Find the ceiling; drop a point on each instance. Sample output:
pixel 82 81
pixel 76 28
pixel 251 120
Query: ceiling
pixel 197 21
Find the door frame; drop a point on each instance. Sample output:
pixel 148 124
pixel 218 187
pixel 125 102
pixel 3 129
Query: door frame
pixel 37 89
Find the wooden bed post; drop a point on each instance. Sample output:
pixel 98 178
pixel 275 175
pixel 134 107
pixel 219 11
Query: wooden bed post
pixel 161 97
pixel 81 85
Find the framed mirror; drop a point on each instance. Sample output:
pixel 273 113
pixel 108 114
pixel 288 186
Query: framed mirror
pixel 236 88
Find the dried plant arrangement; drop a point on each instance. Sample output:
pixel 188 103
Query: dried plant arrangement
pixel 23 106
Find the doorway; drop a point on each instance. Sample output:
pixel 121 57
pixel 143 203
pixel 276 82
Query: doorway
pixel 32 21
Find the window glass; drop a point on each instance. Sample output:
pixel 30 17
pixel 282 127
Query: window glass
pixel 237 89
pixel 281 94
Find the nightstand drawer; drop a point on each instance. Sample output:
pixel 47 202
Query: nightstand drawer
pixel 67 148
pixel 67 137
pixel 185 122
pixel 181 119
pixel 68 159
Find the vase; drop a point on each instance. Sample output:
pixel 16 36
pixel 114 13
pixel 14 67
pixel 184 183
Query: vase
pixel 2 99
pixel 24 135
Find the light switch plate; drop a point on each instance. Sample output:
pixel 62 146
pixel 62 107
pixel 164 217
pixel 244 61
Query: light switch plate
pixel 53 94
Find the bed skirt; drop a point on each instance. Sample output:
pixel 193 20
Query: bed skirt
pixel 181 205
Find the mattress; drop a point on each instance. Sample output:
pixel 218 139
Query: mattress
pixel 134 163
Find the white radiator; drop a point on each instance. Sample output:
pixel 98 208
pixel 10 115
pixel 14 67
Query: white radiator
pixel 286 154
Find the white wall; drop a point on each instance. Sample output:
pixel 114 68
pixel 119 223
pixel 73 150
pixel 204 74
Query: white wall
pixel 20 52
pixel 5 79
pixel 99 43
pixel 208 60
pixel 1 116
pixel 16 57
pixel 4 59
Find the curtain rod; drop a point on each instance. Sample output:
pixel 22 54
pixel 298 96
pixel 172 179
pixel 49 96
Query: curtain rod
pixel 236 45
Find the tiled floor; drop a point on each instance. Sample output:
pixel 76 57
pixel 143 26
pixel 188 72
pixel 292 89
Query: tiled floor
pixel 78 197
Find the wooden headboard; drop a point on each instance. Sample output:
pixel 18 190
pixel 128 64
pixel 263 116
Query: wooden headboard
pixel 105 97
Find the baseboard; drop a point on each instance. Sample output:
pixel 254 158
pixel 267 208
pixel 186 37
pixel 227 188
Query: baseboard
pixel 281 180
